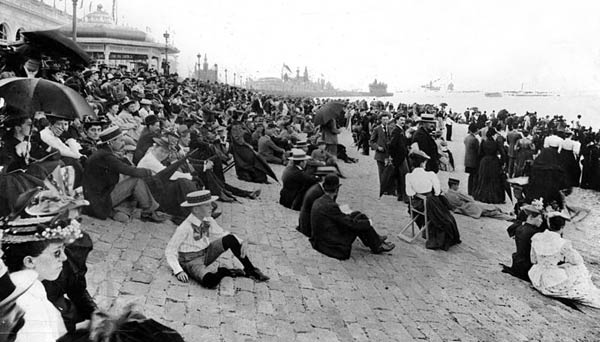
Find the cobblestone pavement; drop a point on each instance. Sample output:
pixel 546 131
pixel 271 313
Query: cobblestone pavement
pixel 409 294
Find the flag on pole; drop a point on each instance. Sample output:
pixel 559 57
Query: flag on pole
pixel 287 68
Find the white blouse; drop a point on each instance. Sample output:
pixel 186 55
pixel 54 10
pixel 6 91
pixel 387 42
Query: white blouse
pixel 420 181
pixel 43 322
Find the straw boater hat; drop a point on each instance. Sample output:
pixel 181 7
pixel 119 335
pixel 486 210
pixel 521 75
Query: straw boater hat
pixel 298 154
pixel 301 144
pixel 536 207
pixel 110 133
pixel 325 170
pixel 420 154
pixel 198 198
pixel 426 117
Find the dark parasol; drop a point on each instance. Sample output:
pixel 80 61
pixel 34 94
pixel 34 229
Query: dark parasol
pixel 55 44
pixel 327 112
pixel 36 94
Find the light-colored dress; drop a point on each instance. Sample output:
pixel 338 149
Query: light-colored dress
pixel 558 270
pixel 43 322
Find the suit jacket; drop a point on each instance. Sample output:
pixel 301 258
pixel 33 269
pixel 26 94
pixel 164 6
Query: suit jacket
pixel 333 232
pixel 428 145
pixel 310 197
pixel 100 177
pixel 380 139
pixel 398 148
pixel 295 184
pixel 144 143
pixel 471 151
pixel 512 137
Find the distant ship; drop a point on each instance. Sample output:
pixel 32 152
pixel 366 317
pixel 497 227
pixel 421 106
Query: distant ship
pixel 493 94
pixel 378 89
pixel 430 86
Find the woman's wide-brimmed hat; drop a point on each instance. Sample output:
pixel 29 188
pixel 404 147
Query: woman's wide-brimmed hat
pixel 298 154
pixel 110 133
pixel 420 154
pixel 563 213
pixel 536 207
pixel 13 285
pixel 55 230
pixel 426 117
pixel 198 198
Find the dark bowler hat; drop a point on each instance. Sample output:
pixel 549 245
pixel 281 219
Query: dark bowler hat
pixel 331 183
pixel 110 133
pixel 150 120
pixel 453 181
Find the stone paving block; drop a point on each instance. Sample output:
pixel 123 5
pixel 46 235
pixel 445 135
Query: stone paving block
pixel 175 311
pixel 141 277
pixel 178 293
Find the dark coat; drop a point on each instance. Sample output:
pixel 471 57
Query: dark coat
pixel 427 145
pixel 471 151
pixel 145 141
pixel 333 232
pixel 380 139
pixel 398 148
pixel 295 184
pixel 100 176
pixel 310 197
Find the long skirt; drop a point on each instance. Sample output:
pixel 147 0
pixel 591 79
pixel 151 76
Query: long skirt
pixel 571 166
pixel 490 186
pixel 443 231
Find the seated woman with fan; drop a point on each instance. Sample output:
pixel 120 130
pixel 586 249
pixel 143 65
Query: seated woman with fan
pixel 442 228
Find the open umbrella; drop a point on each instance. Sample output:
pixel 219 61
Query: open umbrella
pixel 36 94
pixel 54 43
pixel 327 112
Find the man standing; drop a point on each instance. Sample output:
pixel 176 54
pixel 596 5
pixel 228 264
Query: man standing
pixel 471 157
pixel 379 142
pixel 423 141
pixel 295 181
pixel 333 231
pixel 398 149
pixel 199 241
pixel 101 184
pixel 512 137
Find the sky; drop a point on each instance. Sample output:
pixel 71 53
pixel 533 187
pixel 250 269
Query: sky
pixel 478 45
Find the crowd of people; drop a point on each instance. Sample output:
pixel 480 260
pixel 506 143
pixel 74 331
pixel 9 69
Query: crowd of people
pixel 161 146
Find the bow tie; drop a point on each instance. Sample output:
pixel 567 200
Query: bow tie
pixel 200 230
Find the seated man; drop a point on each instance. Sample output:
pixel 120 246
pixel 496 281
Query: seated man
pixel 295 181
pixel 89 144
pixel 101 185
pixel 333 231
pixel 310 197
pixel 325 158
pixel 267 148
pixel 171 186
pixel 199 241
pixel 522 232
pixel 464 204
pixel 151 131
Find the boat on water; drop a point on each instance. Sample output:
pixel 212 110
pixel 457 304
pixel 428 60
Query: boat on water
pixel 493 94
pixel 431 87
pixel 378 89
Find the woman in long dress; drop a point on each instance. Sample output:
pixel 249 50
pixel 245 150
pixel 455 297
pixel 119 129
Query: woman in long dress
pixel 490 185
pixel 525 149
pixel 443 231
pixel 558 269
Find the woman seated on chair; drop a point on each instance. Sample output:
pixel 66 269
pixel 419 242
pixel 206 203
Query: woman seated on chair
pixel 442 228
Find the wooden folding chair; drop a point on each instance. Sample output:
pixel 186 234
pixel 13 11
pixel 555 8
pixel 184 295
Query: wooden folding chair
pixel 229 166
pixel 414 233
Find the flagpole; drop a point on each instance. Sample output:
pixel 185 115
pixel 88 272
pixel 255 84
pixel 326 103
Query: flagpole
pixel 75 20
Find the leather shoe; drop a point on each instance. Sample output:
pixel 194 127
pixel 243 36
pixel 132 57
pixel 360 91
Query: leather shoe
pixel 254 194
pixel 384 247
pixel 383 237
pixel 154 216
pixel 257 275
pixel 225 198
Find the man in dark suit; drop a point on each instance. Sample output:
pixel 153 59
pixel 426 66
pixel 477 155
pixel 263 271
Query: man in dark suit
pixel 151 131
pixel 379 142
pixel 314 192
pixel 471 157
pixel 512 137
pixel 101 186
pixel 333 231
pixel 423 141
pixel 398 150
pixel 295 181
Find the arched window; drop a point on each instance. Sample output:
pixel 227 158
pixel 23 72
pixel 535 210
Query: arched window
pixel 19 36
pixel 3 31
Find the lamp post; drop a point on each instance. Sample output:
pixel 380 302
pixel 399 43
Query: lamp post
pixel 240 80
pixel 198 66
pixel 166 69
pixel 234 77
pixel 74 28
pixel 225 76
